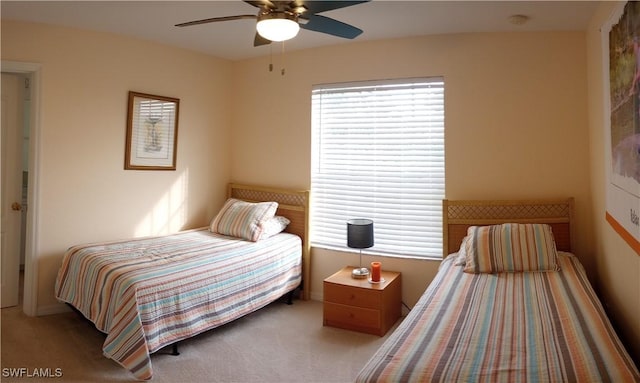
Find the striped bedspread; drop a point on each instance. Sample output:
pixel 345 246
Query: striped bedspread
pixel 507 327
pixel 148 293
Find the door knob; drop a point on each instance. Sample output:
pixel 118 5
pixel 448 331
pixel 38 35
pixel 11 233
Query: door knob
pixel 16 206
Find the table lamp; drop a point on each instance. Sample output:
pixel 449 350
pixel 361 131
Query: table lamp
pixel 360 236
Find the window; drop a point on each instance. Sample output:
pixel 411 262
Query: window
pixel 378 153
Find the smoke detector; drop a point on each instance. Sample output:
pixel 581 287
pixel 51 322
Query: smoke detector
pixel 518 19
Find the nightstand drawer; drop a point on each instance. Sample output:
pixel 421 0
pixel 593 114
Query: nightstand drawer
pixel 352 296
pixel 354 318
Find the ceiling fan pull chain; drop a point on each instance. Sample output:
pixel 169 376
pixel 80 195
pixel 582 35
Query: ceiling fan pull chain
pixel 270 58
pixel 282 70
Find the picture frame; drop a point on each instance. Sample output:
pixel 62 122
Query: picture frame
pixel 621 75
pixel 152 132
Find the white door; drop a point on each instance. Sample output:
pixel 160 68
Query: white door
pixel 11 189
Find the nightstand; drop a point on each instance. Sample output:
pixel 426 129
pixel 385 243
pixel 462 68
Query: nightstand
pixel 357 304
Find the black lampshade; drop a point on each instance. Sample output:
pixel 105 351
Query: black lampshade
pixel 359 233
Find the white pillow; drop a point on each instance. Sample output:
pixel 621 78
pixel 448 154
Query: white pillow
pixel 274 226
pixel 461 258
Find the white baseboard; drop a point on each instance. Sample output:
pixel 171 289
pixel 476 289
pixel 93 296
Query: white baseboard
pixel 316 296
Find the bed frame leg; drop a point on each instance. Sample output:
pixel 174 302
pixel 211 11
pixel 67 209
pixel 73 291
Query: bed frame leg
pixel 290 297
pixel 174 349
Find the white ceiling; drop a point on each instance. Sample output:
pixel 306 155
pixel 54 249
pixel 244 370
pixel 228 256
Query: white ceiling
pixel 155 20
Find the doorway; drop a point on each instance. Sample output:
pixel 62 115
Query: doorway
pixel 15 149
pixel 23 181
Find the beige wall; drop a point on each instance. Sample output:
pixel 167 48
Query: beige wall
pixel 617 265
pixel 85 195
pixel 519 125
pixel 515 115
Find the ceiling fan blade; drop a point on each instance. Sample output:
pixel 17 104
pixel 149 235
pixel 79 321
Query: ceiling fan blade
pixel 215 19
pixel 314 7
pixel 263 4
pixel 330 26
pixel 259 40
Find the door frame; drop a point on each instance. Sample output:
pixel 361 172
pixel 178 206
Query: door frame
pixel 30 295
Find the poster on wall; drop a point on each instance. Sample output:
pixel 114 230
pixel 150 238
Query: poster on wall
pixel 621 39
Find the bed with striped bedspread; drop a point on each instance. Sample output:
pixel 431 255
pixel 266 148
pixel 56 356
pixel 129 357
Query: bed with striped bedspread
pixel 151 292
pixel 504 327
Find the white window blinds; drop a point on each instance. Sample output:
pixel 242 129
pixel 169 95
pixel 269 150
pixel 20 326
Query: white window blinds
pixel 378 153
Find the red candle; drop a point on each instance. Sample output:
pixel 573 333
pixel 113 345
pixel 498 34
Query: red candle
pixel 375 271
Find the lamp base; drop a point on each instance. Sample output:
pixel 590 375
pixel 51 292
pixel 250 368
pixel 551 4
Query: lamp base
pixel 360 273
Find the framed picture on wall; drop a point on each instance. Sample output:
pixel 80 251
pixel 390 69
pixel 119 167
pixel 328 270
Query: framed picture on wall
pixel 152 132
pixel 621 71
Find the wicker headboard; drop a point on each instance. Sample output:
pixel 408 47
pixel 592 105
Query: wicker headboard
pixel 293 204
pixel 457 216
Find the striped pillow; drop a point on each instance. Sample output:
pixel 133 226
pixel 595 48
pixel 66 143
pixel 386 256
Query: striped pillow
pixel 243 219
pixel 510 247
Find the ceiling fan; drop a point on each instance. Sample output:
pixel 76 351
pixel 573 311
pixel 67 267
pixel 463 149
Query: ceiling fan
pixel 281 20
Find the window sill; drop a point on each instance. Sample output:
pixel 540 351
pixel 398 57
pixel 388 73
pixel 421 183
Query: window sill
pixel 377 254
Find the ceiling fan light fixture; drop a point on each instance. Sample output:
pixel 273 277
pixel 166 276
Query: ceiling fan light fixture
pixel 277 26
